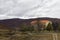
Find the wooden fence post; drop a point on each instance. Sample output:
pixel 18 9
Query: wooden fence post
pixel 54 36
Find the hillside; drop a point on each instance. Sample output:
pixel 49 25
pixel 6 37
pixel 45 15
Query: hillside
pixel 16 22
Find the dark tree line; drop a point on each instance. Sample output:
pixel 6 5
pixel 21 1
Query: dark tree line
pixel 55 26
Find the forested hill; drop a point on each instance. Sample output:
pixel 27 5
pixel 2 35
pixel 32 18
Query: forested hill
pixel 16 22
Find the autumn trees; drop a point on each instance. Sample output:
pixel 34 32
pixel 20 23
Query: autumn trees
pixel 38 26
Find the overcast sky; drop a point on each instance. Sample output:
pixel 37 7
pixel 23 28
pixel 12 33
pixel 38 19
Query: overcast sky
pixel 29 8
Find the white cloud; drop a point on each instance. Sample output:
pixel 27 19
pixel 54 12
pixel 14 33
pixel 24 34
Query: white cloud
pixel 29 8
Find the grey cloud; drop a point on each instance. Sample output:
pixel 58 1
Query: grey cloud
pixel 29 8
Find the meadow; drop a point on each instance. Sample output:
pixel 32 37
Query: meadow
pixel 8 35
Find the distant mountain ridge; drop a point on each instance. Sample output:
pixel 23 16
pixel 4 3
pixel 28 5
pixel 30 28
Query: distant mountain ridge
pixel 16 22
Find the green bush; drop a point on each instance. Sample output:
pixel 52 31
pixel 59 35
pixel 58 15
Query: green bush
pixel 49 27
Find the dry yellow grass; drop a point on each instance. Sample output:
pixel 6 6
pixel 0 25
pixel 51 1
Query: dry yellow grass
pixel 27 36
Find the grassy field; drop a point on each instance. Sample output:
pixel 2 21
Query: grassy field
pixel 6 35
